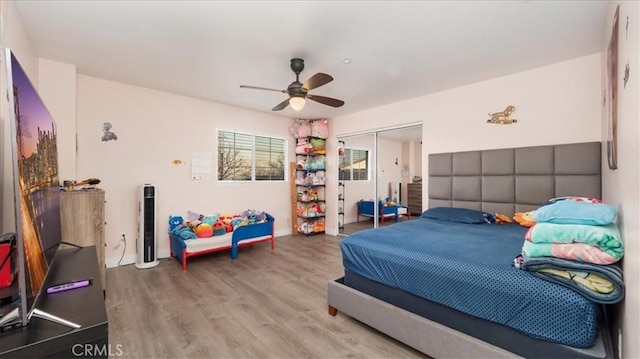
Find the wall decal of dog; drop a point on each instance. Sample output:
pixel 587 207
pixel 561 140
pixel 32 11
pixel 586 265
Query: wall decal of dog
pixel 502 117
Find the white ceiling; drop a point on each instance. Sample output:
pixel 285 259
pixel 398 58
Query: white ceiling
pixel 398 49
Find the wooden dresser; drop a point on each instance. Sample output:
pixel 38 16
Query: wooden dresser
pixel 414 198
pixel 83 223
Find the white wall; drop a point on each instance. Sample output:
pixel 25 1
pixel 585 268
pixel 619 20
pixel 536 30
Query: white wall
pixel 57 88
pixel 559 103
pixel 153 129
pixel 388 170
pixel 15 37
pixel 621 187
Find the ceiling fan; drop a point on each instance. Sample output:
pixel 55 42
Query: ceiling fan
pixel 298 92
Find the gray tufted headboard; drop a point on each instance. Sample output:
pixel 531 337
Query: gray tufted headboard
pixel 514 179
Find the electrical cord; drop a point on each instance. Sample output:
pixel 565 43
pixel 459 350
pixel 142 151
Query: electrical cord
pixel 123 250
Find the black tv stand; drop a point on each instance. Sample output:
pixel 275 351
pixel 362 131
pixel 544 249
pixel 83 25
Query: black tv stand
pixel 84 306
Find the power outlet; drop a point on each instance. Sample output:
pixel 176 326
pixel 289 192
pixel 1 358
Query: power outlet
pixel 123 237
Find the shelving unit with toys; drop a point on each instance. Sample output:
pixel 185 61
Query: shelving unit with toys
pixel 341 188
pixel 310 177
pixel 310 193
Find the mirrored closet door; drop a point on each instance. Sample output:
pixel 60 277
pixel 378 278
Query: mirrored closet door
pixel 383 168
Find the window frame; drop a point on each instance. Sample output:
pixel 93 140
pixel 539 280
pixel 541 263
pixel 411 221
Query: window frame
pixel 285 152
pixel 368 166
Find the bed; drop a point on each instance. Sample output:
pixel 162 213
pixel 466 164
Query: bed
pixel 242 236
pixel 450 312
pixel 365 208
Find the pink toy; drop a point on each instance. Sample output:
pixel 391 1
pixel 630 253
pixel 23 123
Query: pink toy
pixel 319 128
pixel 301 129
pixel 303 146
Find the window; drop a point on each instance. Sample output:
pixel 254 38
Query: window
pixel 354 165
pixel 245 157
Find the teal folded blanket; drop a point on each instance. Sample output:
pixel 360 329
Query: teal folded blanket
pixel 584 243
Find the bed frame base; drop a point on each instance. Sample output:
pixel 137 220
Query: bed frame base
pixel 426 336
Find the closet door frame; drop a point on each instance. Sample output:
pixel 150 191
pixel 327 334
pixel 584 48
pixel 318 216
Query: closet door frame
pixel 374 160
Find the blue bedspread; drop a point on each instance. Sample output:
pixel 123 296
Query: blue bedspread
pixel 469 267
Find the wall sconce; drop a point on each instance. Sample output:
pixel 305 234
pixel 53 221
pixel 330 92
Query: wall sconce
pixel 502 117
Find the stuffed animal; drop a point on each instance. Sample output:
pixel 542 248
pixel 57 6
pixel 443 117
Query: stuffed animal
pixel 319 163
pixel 501 218
pixel 317 146
pixel 319 128
pixel 319 178
pixel 301 164
pixel 524 219
pixel 226 219
pixel 192 225
pixel 210 220
pixel 310 211
pixel 249 215
pixel 497 218
pixel 301 128
pixel 175 222
pixel 193 216
pixel 303 146
pixel 219 228
pixel 185 233
pixel 239 222
pixel 228 226
pixel 253 216
pixel 312 194
pixel 300 211
pixel 309 178
pixel 305 228
pixel 317 226
pixel 204 230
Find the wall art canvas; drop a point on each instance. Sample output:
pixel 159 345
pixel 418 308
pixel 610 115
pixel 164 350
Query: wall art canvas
pixel 612 95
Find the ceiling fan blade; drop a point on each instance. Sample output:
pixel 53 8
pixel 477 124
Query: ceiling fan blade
pixel 261 88
pixel 326 100
pixel 317 80
pixel 281 105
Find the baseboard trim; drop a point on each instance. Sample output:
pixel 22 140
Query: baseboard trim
pixel 164 253
pixel 131 259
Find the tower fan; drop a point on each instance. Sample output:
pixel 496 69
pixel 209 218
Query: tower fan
pixel 146 242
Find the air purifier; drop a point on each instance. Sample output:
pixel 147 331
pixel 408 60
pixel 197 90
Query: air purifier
pixel 146 240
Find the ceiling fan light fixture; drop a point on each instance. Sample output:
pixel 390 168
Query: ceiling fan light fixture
pixel 298 92
pixel 297 103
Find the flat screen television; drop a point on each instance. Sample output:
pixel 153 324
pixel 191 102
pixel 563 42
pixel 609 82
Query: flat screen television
pixel 36 186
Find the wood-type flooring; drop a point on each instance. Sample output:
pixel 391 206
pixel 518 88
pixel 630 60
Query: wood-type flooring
pixel 265 304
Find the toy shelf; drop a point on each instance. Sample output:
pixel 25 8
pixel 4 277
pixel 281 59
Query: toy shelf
pixel 310 180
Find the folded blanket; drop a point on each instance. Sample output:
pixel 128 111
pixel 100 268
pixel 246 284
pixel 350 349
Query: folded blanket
pixel 585 243
pixel 599 283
